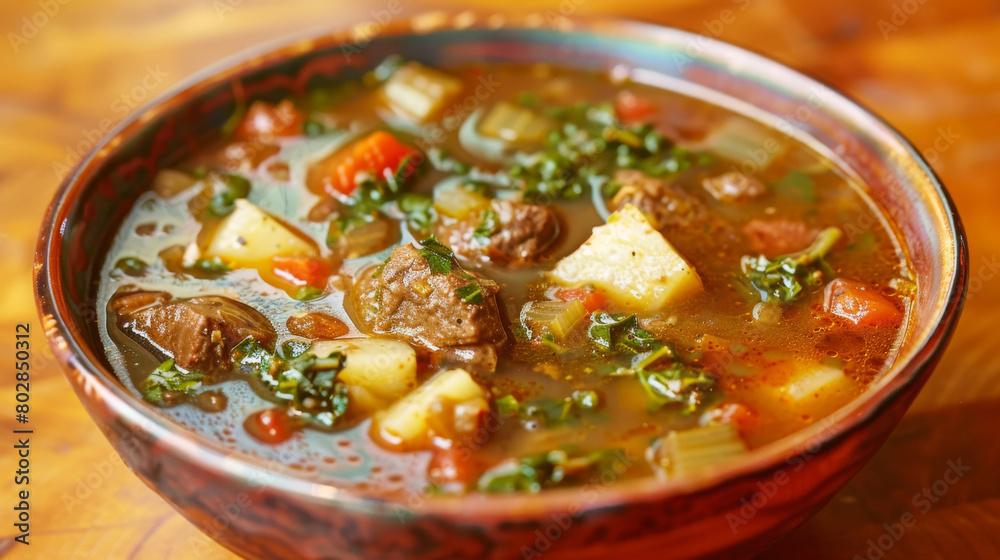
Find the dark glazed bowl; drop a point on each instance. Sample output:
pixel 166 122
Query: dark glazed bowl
pixel 264 510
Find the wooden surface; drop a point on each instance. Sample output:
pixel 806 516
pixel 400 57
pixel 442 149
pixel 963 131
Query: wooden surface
pixel 930 67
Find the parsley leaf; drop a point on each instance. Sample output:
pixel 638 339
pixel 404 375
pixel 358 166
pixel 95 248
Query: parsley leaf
pixel 488 225
pixel 470 293
pixel 438 256
pixel 167 379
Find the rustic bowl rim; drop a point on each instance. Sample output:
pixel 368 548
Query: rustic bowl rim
pixel 212 456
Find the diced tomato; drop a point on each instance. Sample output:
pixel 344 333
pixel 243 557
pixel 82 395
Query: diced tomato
pixel 270 426
pixel 631 108
pixel 591 299
pixel 451 465
pixel 264 121
pixel 860 304
pixel 301 271
pixel 379 153
pixel 737 414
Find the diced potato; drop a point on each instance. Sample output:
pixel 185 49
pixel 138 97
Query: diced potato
pixel 632 262
pixel 421 92
pixel 515 124
pixel 250 237
pixel 693 452
pixel 445 407
pixel 377 372
pixel 454 200
pixel 813 381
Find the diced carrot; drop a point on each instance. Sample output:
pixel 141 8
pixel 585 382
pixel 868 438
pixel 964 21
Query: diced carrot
pixel 379 153
pixel 591 299
pixel 860 304
pixel 737 414
pixel 631 108
pixel 301 271
pixel 264 121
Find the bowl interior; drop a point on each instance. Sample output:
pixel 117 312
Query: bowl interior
pixel 96 197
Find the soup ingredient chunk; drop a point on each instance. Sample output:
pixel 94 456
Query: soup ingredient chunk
pixel 784 278
pixel 631 262
pixel 446 408
pixel 777 237
pixel 860 304
pixel 663 203
pixel 734 187
pixel 506 231
pixel 420 92
pixel 377 371
pixel 198 333
pixel 425 296
pixel 380 155
pixel 250 237
pixel 693 452
pixel 265 122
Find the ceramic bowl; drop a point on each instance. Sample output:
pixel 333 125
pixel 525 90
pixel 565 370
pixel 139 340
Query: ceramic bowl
pixel 265 510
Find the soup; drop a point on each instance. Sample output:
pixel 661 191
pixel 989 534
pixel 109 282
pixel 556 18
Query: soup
pixel 500 278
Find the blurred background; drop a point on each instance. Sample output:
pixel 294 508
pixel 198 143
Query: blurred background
pixel 72 69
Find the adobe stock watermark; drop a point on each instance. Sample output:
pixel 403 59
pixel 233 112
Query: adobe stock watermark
pixel 121 106
pixel 32 24
pixel 900 15
pixel 365 31
pixel 921 502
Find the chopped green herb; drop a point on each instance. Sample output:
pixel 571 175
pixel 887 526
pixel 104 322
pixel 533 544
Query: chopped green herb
pixel 508 405
pixel 212 265
pixel 418 209
pixel 167 379
pixel 224 201
pixel 131 266
pixel 783 277
pixel 441 161
pixel 307 293
pixel 545 470
pixel 488 225
pixel 470 293
pixel 438 256
pixel 677 384
pixel 618 332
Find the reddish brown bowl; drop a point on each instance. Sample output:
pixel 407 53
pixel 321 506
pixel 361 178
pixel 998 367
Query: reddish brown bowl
pixel 265 510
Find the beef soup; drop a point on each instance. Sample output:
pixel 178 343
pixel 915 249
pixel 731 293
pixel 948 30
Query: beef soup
pixel 407 283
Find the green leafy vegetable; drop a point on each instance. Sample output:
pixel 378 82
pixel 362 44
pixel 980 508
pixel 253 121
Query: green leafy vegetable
pixel 677 384
pixel 167 379
pixel 470 293
pixel 307 383
pixel 545 470
pixel 224 201
pixel 618 332
pixel 438 256
pixel 784 277
pixel 418 210
pixel 488 225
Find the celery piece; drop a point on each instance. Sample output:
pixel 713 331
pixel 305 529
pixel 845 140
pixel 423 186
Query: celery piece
pixel 514 124
pixel 556 317
pixel 419 91
pixel 692 452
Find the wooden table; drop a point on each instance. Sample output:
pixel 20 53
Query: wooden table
pixel 932 68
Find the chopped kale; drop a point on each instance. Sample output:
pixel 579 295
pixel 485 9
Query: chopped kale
pixel 677 384
pixel 167 379
pixel 545 470
pixel 785 277
pixel 618 332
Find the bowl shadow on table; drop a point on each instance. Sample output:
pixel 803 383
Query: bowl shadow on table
pixel 931 492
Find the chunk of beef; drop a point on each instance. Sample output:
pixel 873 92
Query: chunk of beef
pixel 199 333
pixel 408 300
pixel 734 187
pixel 778 237
pixel 522 233
pixel 664 203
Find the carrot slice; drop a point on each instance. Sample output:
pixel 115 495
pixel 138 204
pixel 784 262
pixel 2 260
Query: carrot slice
pixel 264 121
pixel 591 299
pixel 379 153
pixel 860 304
pixel 301 271
pixel 631 108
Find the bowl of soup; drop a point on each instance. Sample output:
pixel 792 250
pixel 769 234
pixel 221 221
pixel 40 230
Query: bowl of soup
pixel 489 286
